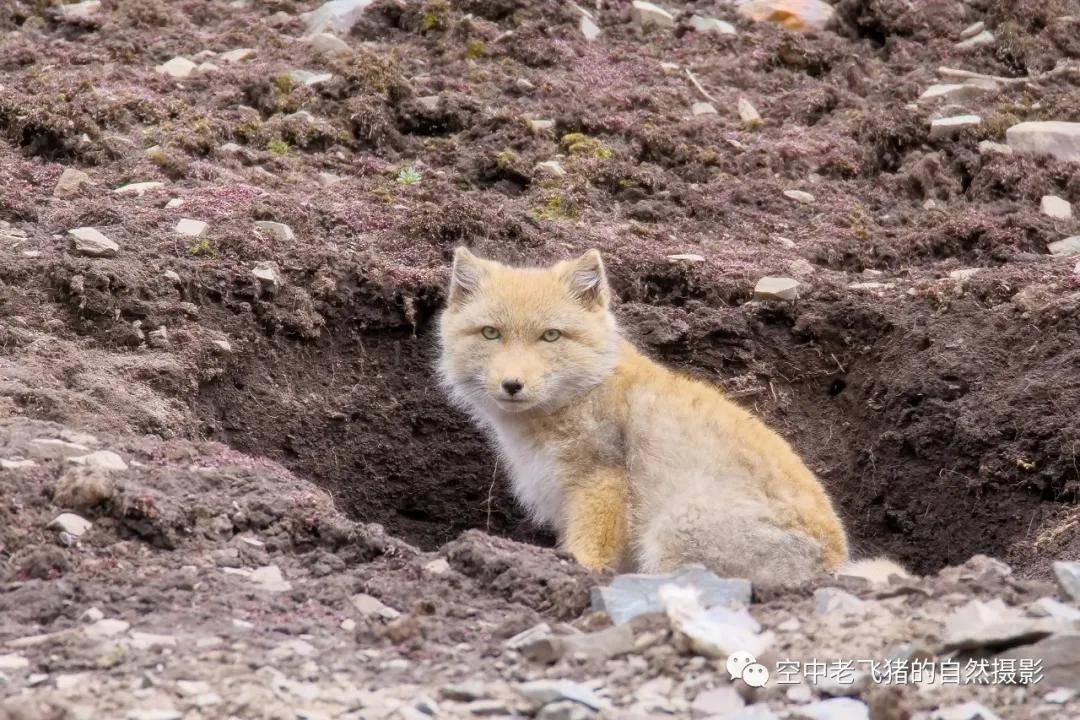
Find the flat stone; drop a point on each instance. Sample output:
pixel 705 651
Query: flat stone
pixel 191 688
pixel 1067 573
pixel 964 273
pixel 337 16
pixel 11 464
pixel 327 44
pixel 9 663
pixel 1060 656
pixel 178 68
pixel 589 29
pixel 747 112
pixel 190 227
pixel 539 125
pixel 1054 137
pixel 108 627
pixel 50 449
pixel 91 243
pixel 430 103
pixel 802 15
pixel 464 692
pixel 279 231
pixel 647 13
pixel 71 523
pixel 965 711
pixel 947 127
pixel 776 288
pixel 983 38
pixel 326 179
pixel 993 625
pixel 70 183
pixel 702 108
pixel 369 606
pixel 551 167
pixel 174 203
pixel 710 635
pixel 603 644
pixel 1049 607
pixel 972 30
pixel 267 275
pixel 636 594
pixel 1060 696
pixel 685 258
pixel 438 566
pixel 80 10
pixel 834 601
pixel 703 24
pixel 139 188
pixel 564 710
pixel 145 641
pixel 719 702
pixel 833 709
pixel 222 346
pixel 308 78
pixel 208 67
pixel 237 55
pixel 269 578
pixel 1055 207
pixel 101 459
pixel 526 637
pixel 800 196
pixel 155 714
pixel 1065 248
pixel 952 92
pixel 542 692
pixel 988 147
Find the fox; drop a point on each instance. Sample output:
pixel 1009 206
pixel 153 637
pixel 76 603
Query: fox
pixel 635 467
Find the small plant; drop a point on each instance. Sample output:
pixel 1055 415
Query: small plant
pixel 475 50
pixel 582 144
pixel 278 146
pixel 436 15
pixel 506 159
pixel 557 207
pixel 285 83
pixel 201 248
pixel 409 176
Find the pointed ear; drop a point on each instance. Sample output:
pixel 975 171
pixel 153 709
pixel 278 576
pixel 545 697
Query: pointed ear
pixel 465 276
pixel 587 280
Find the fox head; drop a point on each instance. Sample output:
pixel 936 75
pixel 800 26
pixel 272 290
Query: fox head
pixel 526 339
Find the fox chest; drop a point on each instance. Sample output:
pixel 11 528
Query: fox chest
pixel 535 477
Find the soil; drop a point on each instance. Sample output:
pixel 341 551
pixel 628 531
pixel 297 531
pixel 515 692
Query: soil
pixel 943 414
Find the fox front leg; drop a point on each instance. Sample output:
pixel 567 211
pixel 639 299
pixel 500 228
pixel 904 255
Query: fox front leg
pixel 596 520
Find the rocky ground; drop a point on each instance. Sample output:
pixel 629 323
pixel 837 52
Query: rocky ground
pixel 230 487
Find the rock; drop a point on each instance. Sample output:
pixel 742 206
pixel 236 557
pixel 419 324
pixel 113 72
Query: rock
pixel 155 714
pixel 965 711
pixel 1060 659
pixel 947 127
pixel 71 523
pixel 799 694
pixel 525 638
pixel 80 10
pixel 748 113
pixel 800 196
pixel 540 125
pixel 488 708
pixel 603 644
pixel 6 464
pixel 369 606
pixel 191 688
pixel 208 67
pixel 139 188
pixel 686 258
pixel 327 179
pixel 91 243
pixel 9 663
pixel 1056 138
pixel 987 147
pixel 464 692
pixel 631 595
pixel 706 634
pixel 646 13
pixel 957 92
pixel 776 288
pixel 834 601
pixel 308 78
pixel 833 709
pixel 1049 607
pixel 238 55
pixel 704 24
pixel 70 182
pixel 839 684
pixel 174 203
pixel 101 459
pixel 1060 696
pixel 429 102
pixel 542 692
pixel 293 648
pixel 972 30
pixel 190 227
pixel 269 578
pixel 108 627
pixel 993 625
pixel 702 108
pixel 223 347
pixel 551 167
pixel 438 566
pixel 964 273
pixel 1055 207
pixel 145 641
pixel 337 15
pixel 267 276
pixel 279 231
pixel 564 710
pixel 589 29
pixel 50 449
pixel 792 14
pixel 178 68
pixel 720 702
pixel 327 44
pixel 1065 248
pixel 983 38
pixel 1067 573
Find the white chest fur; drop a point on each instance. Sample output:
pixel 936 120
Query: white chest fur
pixel 533 473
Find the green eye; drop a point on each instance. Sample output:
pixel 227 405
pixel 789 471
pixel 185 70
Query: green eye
pixel 490 333
pixel 551 335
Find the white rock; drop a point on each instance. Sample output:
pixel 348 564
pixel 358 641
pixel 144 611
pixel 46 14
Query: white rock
pixel 7 464
pixel 983 38
pixel 542 692
pixel 957 92
pixel 834 601
pixel 646 13
pixel 269 578
pixel 279 231
pixel 139 188
pixel 238 55
pixel 702 108
pixel 1056 207
pixel 190 227
pixel 222 346
pixel 992 624
pixel 327 179
pixel 947 127
pixel 155 714
pixel 589 29
pixel 1060 696
pixel 267 275
pixel 80 10
pixel 191 688
pixel 537 125
pixel 776 288
pixel 429 102
pixel 438 566
pixel 144 641
pixel 704 632
pixel 965 711
pixel 1049 607
pixel 1068 573
pixel 747 112
pixel 721 702
pixel 964 273
pixel 337 15
pixel 1060 139
pixel 174 203
pixel 13 662
pixel 92 615
pixel 106 628
pixel 328 44
pixel 834 709
pixel 800 196
pixel 70 182
pixel 178 67
pixel 348 625
pixel 551 167
pixel 208 67
pixel 686 258
pixel 208 699
pixel 71 523
pixel 792 14
pixel 50 449
pixel 101 459
pixel 70 681
pixel 1064 248
pixel 986 147
pixel 972 30
pixel 306 77
pixel 369 606
pixel 704 24
pixel 90 242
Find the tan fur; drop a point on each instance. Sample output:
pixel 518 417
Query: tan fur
pixel 634 466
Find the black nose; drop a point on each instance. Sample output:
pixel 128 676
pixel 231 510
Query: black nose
pixel 512 387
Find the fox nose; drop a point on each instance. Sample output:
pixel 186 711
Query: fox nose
pixel 512 386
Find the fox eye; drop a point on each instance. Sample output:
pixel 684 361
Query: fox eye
pixel 490 333
pixel 551 335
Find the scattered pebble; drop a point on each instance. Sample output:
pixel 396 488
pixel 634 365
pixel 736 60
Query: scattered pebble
pixel 91 243
pixel 983 38
pixel 190 227
pixel 337 15
pixel 1056 138
pixel 947 127
pixel 70 183
pixel 1055 207
pixel 328 44
pixel 71 523
pixel 238 55
pixel 748 113
pixel 800 196
pixel 647 13
pixel 139 188
pixel 703 108
pixel 279 231
pixel 178 68
pixel 1067 573
pixel 703 24
pixel 1065 248
pixel 637 594
pixel 101 459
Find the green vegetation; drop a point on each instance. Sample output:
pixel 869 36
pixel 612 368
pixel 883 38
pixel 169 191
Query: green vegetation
pixel 583 145
pixel 409 176
pixel 278 146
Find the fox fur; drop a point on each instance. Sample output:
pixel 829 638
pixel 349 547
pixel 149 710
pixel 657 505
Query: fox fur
pixel 635 467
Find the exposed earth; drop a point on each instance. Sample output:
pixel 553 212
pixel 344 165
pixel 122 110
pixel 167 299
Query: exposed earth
pixel 268 442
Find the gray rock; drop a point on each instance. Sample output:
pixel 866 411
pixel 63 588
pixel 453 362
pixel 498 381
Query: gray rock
pixel 70 182
pixel 326 179
pixel 327 44
pixel 631 595
pixel 526 637
pixel 190 227
pixel 308 78
pixel 993 625
pixel 947 127
pixel 269 578
pixel 1049 607
pixel 983 38
pixel 834 601
pixel 191 688
pixel 101 459
pixel 1068 575
pixel 1053 137
pixel 603 644
pixel 776 288
pixel 957 93
pixel 50 449
pixel 238 55
pixel 800 196
pixel 542 692
pixel 337 15
pixel 369 606
pixel 80 10
pixel 145 641
pixel 747 112
pixel 720 702
pixel 90 242
pixel 965 711
pixel 177 68
pixel 279 231
pixel 689 258
pixel 647 13
pixel 551 167
pixel 488 708
pixel 1060 658
pixel 589 29
pixel 430 103
pixel 702 108
pixel 703 24
pixel 139 188
pixel 438 566
pixel 267 276
pixel 988 147
pixel 71 523
pixel 1055 207
pixel 1065 248
pixel 109 627
pixel 836 684
pixel 833 709
pixel 564 710
pixel 972 30
pixel 540 125
pixel 9 663
pixel 464 692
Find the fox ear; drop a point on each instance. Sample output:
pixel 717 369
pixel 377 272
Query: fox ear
pixel 587 280
pixel 465 276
